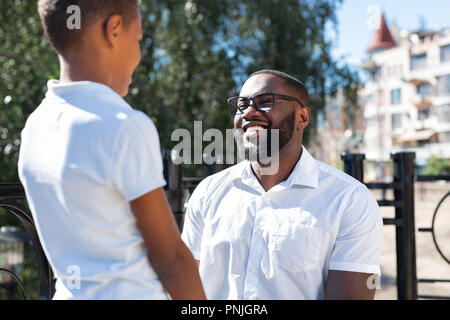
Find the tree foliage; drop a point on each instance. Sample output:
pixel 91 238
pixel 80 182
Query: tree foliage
pixel 195 54
pixel 437 165
pixel 26 62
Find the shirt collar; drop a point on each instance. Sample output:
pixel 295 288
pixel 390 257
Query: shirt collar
pixel 75 89
pixel 305 174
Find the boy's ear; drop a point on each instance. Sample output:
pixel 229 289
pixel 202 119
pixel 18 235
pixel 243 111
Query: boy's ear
pixel 113 28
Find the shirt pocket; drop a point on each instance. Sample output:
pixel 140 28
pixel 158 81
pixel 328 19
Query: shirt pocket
pixel 299 249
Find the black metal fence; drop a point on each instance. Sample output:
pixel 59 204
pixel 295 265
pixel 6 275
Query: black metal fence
pixel 404 221
pixel 9 194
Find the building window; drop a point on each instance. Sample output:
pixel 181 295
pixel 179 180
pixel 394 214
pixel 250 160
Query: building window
pixel 371 122
pixel 394 71
pixel 444 137
pixel 445 53
pixel 396 96
pixel 321 123
pixel 337 114
pixel 369 98
pixel 443 113
pixel 337 124
pixel 424 90
pixel 424 114
pixel 418 61
pixel 376 74
pixel 444 85
pixel 396 120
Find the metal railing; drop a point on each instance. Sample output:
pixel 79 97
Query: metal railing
pixel 9 193
pixel 404 222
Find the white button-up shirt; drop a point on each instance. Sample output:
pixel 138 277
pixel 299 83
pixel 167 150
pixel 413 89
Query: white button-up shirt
pixel 281 243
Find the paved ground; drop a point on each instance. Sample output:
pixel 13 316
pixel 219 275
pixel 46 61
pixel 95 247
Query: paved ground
pixel 429 263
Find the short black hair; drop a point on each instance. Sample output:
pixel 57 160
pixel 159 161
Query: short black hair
pixel 54 15
pixel 291 81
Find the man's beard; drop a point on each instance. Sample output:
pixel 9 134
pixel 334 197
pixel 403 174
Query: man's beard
pixel 259 148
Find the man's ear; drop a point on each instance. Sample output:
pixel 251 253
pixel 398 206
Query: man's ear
pixel 113 29
pixel 304 117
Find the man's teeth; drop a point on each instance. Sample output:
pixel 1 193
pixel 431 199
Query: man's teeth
pixel 255 128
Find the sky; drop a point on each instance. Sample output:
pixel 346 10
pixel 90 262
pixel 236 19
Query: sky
pixel 357 20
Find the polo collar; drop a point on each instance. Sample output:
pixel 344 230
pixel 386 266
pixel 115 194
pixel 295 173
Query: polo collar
pixel 305 174
pixel 68 91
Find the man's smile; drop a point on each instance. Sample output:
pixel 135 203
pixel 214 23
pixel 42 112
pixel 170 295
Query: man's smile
pixel 253 129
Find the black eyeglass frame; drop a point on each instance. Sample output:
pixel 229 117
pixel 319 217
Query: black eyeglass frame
pixel 235 110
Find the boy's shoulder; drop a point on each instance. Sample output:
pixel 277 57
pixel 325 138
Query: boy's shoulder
pixel 89 113
pixel 87 101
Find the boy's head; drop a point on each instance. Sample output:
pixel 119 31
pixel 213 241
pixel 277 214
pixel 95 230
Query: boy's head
pixel 108 31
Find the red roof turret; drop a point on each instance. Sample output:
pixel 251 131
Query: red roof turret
pixel 382 38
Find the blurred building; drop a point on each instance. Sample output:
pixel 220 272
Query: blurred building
pixel 337 132
pixel 406 101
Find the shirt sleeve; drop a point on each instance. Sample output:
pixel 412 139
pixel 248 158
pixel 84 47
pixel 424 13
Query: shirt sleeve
pixel 360 235
pixel 193 222
pixel 136 159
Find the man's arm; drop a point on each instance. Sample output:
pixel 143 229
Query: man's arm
pixel 167 253
pixel 346 285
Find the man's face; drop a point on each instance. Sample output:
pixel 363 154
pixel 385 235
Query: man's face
pixel 129 54
pixel 252 128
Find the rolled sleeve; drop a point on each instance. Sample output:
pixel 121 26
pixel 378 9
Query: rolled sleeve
pixel 193 221
pixel 136 161
pixel 359 239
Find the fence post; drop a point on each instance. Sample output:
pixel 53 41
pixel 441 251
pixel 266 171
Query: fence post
pixel 353 165
pixel 405 232
pixel 173 174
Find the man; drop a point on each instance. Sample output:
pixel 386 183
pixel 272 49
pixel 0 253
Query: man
pixel 92 170
pixel 309 231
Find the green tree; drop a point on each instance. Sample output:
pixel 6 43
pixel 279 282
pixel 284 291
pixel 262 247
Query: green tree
pixel 290 35
pixel 26 62
pixel 195 54
pixel 437 165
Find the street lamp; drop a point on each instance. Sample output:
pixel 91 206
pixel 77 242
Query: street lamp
pixel 12 242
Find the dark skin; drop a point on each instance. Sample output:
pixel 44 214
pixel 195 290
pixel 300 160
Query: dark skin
pixel 290 154
pixel 340 285
pixel 109 54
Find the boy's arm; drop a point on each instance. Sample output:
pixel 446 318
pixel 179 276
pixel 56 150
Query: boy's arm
pixel 167 253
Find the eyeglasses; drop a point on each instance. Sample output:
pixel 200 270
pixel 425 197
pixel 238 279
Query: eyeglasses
pixel 262 102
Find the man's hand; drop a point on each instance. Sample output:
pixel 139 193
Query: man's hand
pixel 167 253
pixel 345 285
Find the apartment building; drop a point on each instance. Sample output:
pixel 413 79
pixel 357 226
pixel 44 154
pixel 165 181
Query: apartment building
pixel 406 101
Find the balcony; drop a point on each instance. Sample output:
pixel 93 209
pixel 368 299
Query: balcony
pixel 412 138
pixel 422 102
pixel 369 65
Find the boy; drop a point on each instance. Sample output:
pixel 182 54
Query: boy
pixel 92 169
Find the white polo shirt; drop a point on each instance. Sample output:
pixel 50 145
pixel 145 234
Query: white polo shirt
pixel 85 153
pixel 281 243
